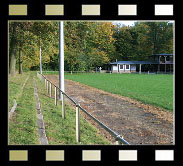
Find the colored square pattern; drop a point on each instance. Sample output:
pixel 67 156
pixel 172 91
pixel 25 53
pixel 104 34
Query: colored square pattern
pixel 91 155
pixel 91 10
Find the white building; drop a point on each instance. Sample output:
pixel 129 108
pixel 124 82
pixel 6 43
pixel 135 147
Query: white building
pixel 127 66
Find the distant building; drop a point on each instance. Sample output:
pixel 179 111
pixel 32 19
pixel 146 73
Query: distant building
pixel 157 63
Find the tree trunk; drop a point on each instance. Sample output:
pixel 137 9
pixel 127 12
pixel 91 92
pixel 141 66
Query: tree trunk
pixel 20 61
pixel 12 53
pixel 13 64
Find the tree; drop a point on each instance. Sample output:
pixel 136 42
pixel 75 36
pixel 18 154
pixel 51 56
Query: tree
pixel 12 51
pixel 87 44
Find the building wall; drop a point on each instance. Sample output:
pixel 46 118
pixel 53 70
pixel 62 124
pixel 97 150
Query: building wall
pixel 114 68
pixel 124 68
pixel 133 68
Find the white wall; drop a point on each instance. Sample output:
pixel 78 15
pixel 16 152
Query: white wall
pixel 114 68
pixel 124 68
pixel 128 67
pixel 131 67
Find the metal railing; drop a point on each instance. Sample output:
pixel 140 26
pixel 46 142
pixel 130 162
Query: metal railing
pixel 48 85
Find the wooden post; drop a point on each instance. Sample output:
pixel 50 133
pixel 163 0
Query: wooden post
pixel 77 124
pixel 63 106
pixel 50 89
pixel 117 140
pixel 48 86
pixel 55 95
pixel 45 83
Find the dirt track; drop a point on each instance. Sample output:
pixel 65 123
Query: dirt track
pixel 136 122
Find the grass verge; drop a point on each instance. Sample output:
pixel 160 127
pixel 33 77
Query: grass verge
pixel 23 125
pixel 14 87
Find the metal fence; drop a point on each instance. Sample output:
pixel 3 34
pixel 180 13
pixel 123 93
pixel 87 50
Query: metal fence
pixel 48 86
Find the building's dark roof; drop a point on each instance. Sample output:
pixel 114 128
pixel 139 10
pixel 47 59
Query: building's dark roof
pixel 162 54
pixel 133 62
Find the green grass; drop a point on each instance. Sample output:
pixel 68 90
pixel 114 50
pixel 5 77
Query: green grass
pixel 151 89
pixel 62 131
pixel 23 125
pixel 15 84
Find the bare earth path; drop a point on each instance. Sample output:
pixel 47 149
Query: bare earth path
pixel 136 122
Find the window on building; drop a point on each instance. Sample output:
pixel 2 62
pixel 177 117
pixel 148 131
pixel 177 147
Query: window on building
pixel 121 66
pixel 127 66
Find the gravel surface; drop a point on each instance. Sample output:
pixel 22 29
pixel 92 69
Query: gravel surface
pixel 138 123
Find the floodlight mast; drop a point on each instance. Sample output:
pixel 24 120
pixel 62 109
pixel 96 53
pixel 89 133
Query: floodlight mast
pixel 61 57
pixel 40 61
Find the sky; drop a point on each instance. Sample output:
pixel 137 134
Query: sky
pixel 127 23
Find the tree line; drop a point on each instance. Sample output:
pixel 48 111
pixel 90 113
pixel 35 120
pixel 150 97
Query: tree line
pixel 87 44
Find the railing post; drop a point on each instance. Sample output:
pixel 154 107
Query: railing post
pixel 63 105
pixel 55 95
pixel 77 124
pixel 117 140
pixel 44 83
pixel 50 89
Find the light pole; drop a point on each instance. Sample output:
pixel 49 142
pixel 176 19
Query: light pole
pixel 40 61
pixel 61 57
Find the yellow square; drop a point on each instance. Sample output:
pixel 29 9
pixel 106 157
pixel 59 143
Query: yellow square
pixel 18 155
pixel 15 10
pixel 54 155
pixel 90 9
pixel 91 155
pixel 54 9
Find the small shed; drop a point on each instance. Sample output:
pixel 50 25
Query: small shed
pixel 128 66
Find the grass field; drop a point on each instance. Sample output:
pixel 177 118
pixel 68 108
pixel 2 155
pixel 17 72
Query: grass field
pixel 151 89
pixel 23 125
